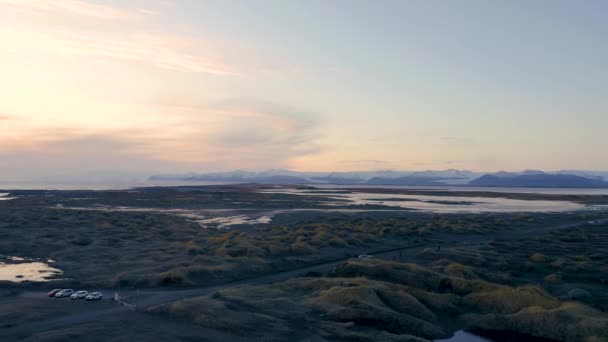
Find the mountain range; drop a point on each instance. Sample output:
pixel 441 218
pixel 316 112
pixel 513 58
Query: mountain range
pixel 540 181
pixel 527 178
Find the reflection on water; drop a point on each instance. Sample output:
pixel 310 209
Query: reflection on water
pixel 16 258
pixel 26 271
pixel 207 218
pixel 463 336
pixel 513 190
pixel 492 336
pixel 226 221
pixel 4 196
pixel 345 201
pixel 100 185
pixel 442 204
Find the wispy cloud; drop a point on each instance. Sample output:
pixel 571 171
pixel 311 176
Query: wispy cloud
pixel 238 132
pixel 140 41
pixel 364 161
pixel 4 117
pixel 71 55
pixel 75 7
pixel 76 155
pixel 231 135
pixel 175 52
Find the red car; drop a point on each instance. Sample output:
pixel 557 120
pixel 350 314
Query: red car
pixel 52 293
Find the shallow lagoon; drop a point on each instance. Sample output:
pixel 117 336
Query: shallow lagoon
pixel 511 190
pixel 17 269
pixel 442 204
pixel 4 197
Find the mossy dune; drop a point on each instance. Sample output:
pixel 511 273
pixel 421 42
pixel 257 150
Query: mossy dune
pixel 566 322
pixel 365 299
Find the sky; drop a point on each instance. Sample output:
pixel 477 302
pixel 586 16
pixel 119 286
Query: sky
pixel 161 86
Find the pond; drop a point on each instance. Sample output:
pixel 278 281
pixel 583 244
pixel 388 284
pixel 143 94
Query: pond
pixel 463 336
pixel 492 336
pixel 17 269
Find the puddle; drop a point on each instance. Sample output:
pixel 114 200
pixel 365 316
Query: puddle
pixel 492 336
pixel 16 271
pixel 463 336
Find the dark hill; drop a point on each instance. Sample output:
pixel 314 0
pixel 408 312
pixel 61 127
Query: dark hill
pixel 539 181
pixel 420 181
pixel 279 179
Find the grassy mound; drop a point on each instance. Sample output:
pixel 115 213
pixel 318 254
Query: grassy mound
pixel 362 305
pixel 382 300
pixel 333 308
pixel 572 322
pixel 508 300
pixel 217 314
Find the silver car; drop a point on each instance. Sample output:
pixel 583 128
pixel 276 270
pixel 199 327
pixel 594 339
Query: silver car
pixel 79 295
pixel 64 293
pixel 94 296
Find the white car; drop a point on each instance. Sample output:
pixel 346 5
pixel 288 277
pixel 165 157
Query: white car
pixel 364 257
pixel 79 295
pixel 64 293
pixel 94 296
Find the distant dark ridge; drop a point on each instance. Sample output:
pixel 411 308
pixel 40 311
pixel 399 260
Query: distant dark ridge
pixel 413 181
pixel 540 181
pixel 261 180
pixel 338 180
pixel 529 178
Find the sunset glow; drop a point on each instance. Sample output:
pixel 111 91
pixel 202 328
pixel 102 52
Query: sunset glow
pixel 178 86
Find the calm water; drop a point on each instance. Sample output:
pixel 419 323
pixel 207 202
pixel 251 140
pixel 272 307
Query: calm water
pixel 207 218
pixel 495 336
pixel 463 336
pixel 514 190
pixel 444 204
pixel 99 185
pixel 146 183
pixel 227 221
pixel 4 197
pixel 17 269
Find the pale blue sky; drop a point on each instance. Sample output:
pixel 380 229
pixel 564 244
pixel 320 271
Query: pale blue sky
pixel 309 85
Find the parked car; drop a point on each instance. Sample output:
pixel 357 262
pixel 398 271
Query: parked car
pixel 364 257
pixel 79 295
pixel 64 293
pixel 94 296
pixel 54 292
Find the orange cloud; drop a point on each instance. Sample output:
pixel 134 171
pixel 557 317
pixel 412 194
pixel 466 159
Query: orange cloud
pixel 238 136
pixel 74 7
pixel 162 50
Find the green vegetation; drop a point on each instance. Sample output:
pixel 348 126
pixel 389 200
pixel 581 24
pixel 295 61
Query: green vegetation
pixel 561 262
pixel 372 299
pixel 504 272
pixel 148 249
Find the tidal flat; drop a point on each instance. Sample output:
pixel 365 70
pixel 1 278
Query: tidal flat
pixel 268 263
